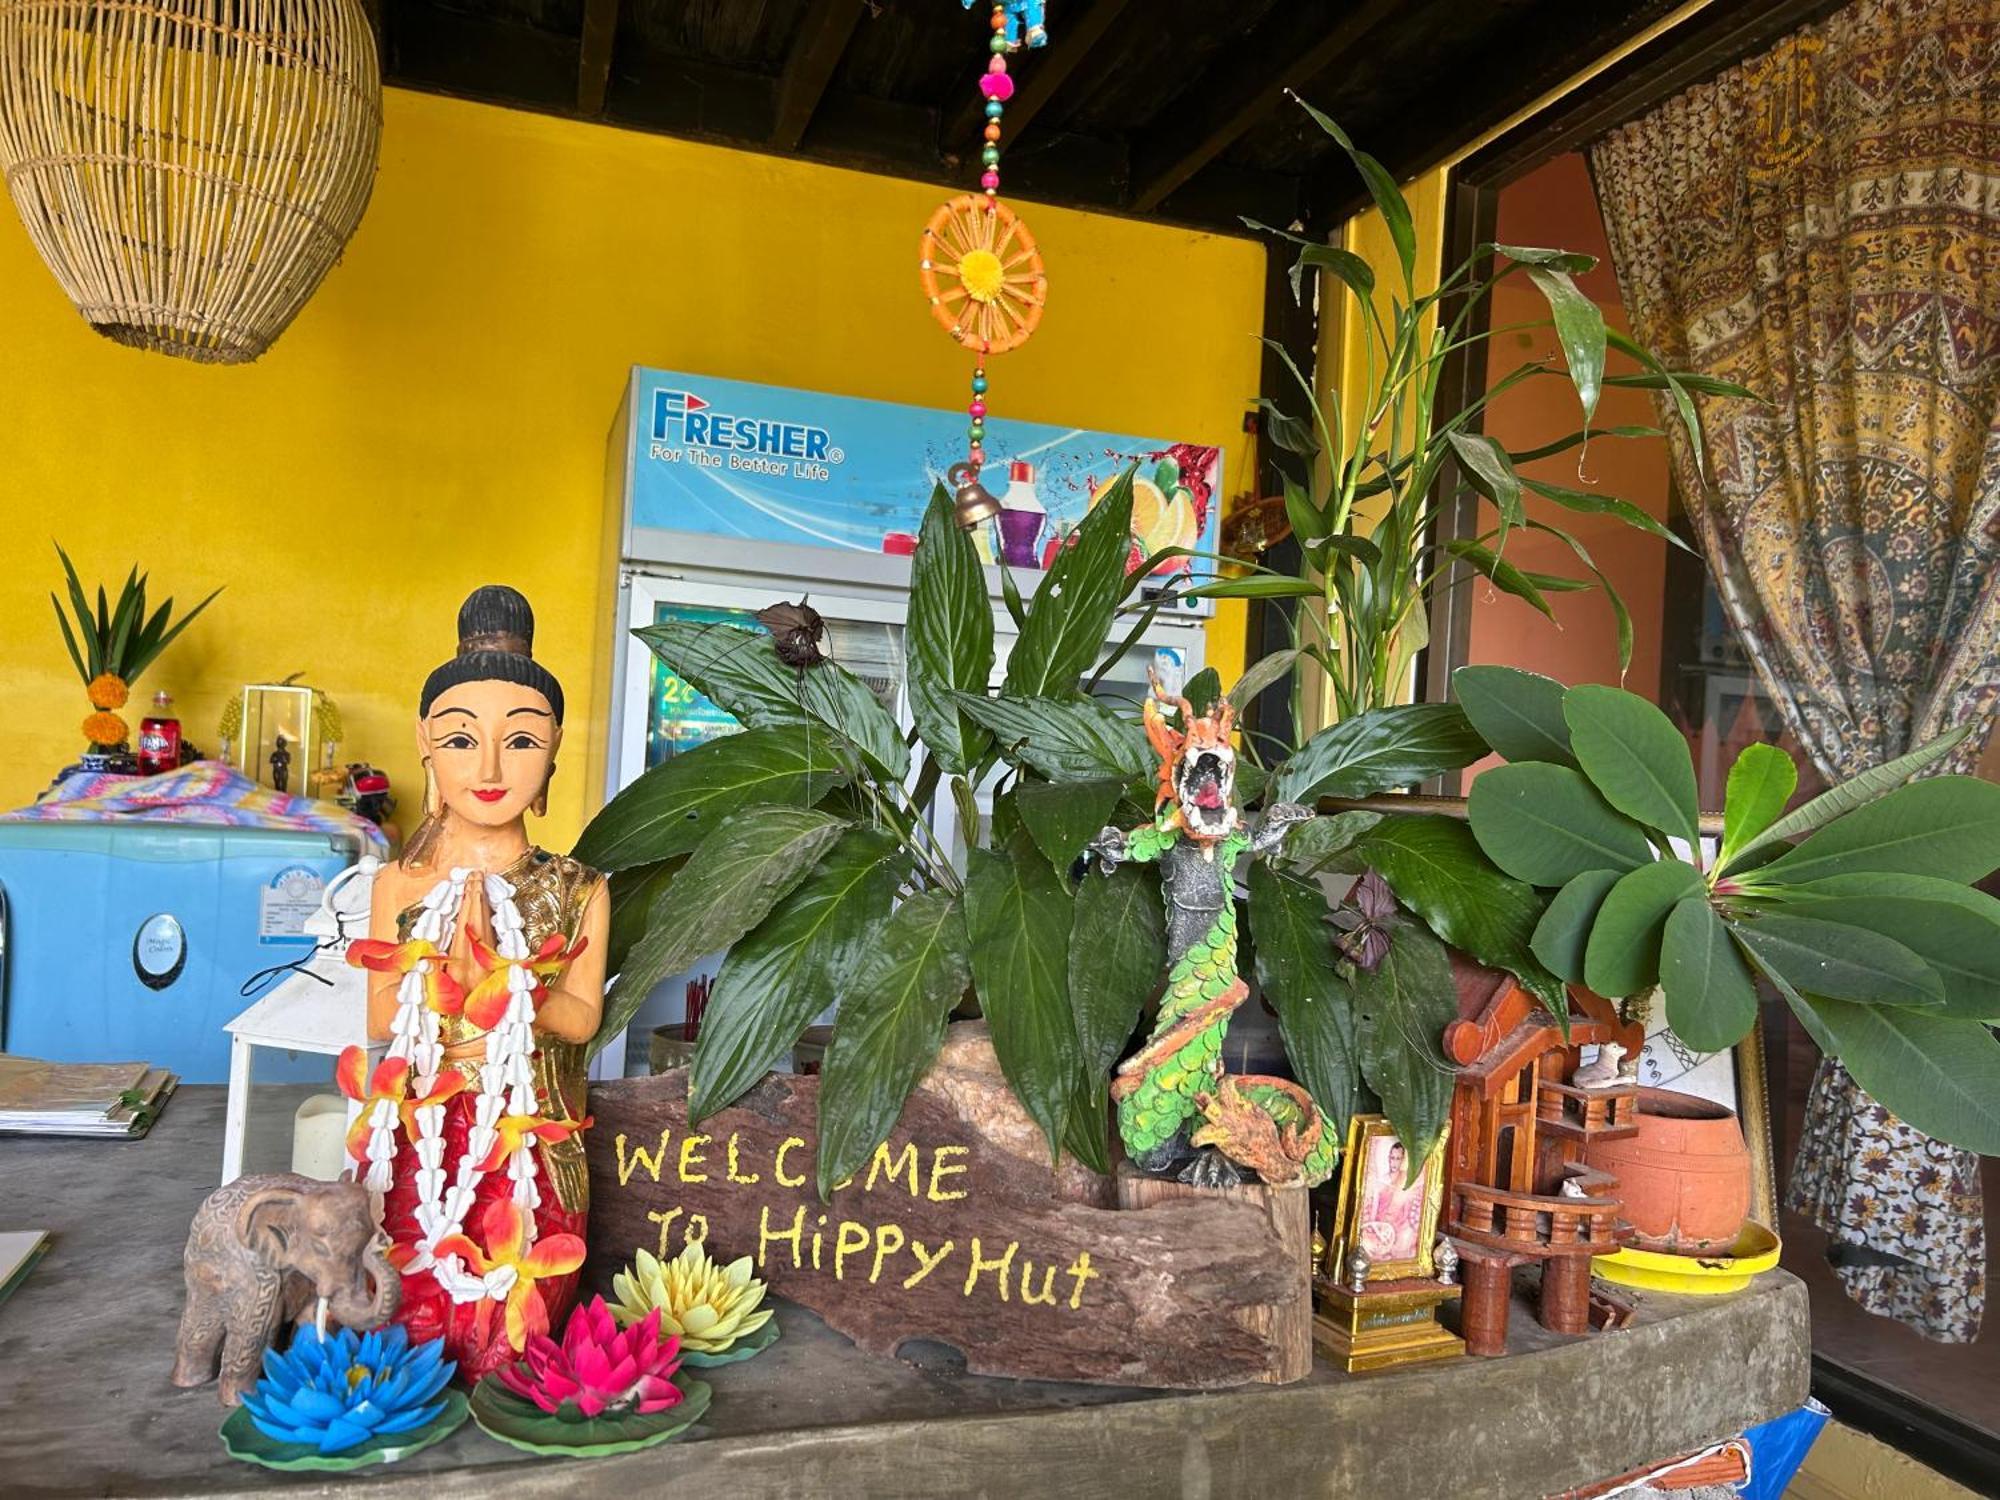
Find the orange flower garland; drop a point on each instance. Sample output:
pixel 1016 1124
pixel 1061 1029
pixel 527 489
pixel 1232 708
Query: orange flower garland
pixel 104 728
pixel 107 690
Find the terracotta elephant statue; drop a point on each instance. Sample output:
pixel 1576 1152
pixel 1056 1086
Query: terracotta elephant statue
pixel 260 1253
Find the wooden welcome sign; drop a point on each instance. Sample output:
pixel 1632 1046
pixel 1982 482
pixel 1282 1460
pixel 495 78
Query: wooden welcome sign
pixel 957 1231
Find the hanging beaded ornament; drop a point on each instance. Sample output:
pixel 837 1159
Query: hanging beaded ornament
pixel 978 263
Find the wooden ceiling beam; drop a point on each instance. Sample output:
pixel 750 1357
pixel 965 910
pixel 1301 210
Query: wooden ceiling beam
pixel 1036 83
pixel 1273 61
pixel 809 68
pixel 593 59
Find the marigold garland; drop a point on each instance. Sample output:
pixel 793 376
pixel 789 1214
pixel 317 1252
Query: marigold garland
pixel 106 729
pixel 107 690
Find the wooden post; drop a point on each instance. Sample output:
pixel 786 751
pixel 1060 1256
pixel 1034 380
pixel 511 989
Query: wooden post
pixel 1489 1291
pixel 1565 1305
pixel 1285 1326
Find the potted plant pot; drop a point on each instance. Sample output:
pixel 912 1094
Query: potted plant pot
pixel 1684 1178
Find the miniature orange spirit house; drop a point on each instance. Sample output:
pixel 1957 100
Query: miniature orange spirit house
pixel 1516 1187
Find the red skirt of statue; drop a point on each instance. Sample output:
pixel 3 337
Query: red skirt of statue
pixel 428 1311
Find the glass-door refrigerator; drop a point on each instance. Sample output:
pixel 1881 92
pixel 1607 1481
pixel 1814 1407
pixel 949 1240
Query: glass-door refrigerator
pixel 718 520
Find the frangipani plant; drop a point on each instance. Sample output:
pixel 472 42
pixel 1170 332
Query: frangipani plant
pixel 1857 907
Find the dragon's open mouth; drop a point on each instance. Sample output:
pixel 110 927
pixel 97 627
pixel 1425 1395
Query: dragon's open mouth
pixel 1206 783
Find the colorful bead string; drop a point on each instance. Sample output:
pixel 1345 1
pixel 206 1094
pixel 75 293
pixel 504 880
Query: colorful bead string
pixel 998 87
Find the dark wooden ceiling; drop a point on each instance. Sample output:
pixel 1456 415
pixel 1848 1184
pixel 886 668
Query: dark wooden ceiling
pixel 1173 109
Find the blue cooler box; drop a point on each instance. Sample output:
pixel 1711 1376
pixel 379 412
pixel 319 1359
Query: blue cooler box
pixel 131 942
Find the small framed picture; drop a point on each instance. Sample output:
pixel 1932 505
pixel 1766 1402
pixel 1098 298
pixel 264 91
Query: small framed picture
pixel 1380 1209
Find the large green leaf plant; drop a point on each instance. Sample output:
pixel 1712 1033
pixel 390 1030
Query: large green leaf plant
pixel 1857 907
pixel 805 846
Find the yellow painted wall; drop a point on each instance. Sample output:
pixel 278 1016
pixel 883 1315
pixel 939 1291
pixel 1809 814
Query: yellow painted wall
pixel 436 418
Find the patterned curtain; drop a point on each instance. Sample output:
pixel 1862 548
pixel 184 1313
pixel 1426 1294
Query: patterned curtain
pixel 1822 225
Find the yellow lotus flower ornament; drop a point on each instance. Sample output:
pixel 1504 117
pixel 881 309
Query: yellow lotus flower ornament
pixel 712 1309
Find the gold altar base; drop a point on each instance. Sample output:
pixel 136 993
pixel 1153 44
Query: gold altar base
pixel 1392 1323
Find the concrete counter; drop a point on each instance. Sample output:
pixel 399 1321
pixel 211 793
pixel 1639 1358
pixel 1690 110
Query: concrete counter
pixel 86 1408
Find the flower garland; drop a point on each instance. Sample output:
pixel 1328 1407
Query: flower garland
pixel 505 1126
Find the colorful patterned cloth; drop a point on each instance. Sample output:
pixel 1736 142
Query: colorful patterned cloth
pixel 1910 1204
pixel 1819 225
pixel 207 792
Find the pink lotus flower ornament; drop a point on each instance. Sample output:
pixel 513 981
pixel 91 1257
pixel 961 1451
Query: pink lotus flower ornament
pixel 598 1369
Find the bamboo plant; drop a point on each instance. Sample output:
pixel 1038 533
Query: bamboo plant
pixel 1384 466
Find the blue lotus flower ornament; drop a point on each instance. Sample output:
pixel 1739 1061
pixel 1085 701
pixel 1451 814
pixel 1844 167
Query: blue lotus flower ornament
pixel 334 1392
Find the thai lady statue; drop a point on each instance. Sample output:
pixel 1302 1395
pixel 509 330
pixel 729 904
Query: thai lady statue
pixel 487 960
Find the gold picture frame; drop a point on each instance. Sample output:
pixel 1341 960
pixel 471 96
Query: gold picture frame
pixel 271 709
pixel 1366 1169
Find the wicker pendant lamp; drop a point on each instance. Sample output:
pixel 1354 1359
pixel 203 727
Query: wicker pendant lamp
pixel 189 169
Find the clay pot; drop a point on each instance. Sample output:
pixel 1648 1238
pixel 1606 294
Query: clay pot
pixel 1684 1178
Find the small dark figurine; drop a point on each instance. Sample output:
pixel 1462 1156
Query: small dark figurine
pixel 797 629
pixel 266 1251
pixel 281 767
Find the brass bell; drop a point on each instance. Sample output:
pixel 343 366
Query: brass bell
pixel 971 501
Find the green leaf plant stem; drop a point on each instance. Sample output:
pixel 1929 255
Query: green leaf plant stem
pixel 1858 908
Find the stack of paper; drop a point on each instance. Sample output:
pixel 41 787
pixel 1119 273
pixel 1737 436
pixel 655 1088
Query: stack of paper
pixel 88 1099
pixel 19 1250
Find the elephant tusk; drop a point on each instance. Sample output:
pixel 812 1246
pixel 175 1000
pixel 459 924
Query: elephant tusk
pixel 319 1319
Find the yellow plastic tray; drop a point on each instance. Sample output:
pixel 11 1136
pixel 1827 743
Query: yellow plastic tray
pixel 1756 1249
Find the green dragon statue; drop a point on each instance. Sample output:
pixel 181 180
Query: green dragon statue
pixel 1178 1111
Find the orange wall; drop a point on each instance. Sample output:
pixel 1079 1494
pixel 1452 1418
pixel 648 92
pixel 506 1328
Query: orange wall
pixel 1555 206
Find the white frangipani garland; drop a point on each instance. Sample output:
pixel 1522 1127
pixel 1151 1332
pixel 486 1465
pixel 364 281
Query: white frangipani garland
pixel 506 1087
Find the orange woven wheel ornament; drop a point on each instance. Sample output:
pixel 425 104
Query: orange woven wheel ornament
pixel 983 274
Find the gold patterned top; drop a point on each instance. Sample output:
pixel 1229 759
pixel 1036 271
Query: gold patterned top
pixel 552 892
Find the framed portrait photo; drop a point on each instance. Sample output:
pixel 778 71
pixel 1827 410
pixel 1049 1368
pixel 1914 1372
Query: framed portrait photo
pixel 1380 1210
